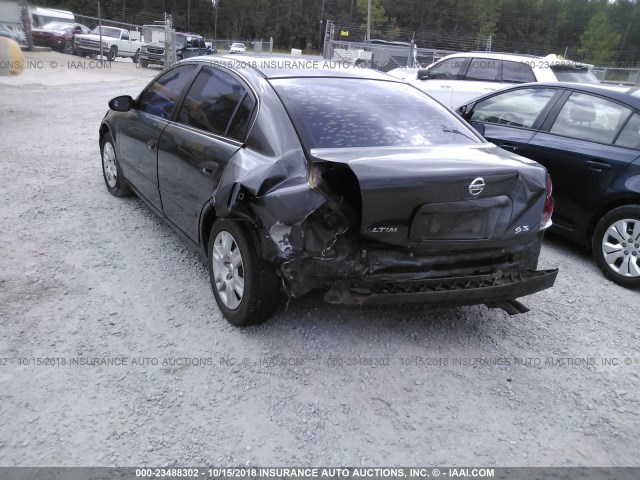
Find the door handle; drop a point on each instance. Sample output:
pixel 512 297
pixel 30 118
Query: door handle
pixel 209 168
pixel 152 145
pixel 508 146
pixel 597 166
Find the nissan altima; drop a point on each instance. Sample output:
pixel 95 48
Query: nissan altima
pixel 291 179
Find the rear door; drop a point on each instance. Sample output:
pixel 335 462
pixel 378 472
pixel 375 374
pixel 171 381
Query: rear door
pixel 195 148
pixel 482 76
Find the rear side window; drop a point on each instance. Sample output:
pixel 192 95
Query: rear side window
pixel 630 135
pixel 484 69
pixel 160 97
pixel 591 118
pixel 342 112
pixel 575 75
pixel 217 103
pixel 517 72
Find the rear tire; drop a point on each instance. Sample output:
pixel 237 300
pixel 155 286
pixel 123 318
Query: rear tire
pixel 113 178
pixel 245 286
pixel 616 245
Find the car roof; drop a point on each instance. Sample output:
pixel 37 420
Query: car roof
pixel 549 59
pixel 273 67
pixel 623 94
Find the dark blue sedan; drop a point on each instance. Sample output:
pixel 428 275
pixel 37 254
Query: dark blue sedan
pixel 588 138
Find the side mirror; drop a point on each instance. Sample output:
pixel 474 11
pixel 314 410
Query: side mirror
pixel 123 103
pixel 466 111
pixel 423 74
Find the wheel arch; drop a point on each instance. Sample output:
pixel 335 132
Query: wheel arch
pixel 208 218
pixel 612 203
pixel 104 129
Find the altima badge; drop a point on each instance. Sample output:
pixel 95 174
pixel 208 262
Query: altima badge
pixel 477 186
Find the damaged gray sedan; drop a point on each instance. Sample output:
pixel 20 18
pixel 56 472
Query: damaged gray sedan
pixel 292 179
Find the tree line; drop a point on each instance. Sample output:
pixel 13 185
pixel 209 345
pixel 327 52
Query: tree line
pixel 602 32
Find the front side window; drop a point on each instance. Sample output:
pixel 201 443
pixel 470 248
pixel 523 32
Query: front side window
pixel 217 103
pixel 517 108
pixel 630 135
pixel 483 69
pixel 160 97
pixel 447 69
pixel 341 113
pixel 591 118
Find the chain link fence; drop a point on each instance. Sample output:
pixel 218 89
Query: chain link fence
pixel 618 76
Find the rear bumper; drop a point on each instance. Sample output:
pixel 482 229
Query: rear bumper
pixel 491 290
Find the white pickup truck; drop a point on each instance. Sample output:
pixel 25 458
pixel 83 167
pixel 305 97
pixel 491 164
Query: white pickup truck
pixel 116 42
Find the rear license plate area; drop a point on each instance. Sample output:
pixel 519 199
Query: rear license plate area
pixel 465 220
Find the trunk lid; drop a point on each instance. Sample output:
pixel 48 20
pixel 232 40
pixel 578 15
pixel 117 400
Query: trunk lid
pixel 413 196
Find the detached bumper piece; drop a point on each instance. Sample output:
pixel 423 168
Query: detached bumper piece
pixel 496 290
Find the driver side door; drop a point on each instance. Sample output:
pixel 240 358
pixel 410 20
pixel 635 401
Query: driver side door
pixel 139 131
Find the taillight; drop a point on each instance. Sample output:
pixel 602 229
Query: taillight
pixel 548 206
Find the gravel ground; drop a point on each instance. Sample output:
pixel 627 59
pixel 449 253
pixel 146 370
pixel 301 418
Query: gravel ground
pixel 86 277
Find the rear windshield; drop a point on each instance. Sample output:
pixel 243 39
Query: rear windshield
pixel 107 32
pixel 344 112
pixel 575 75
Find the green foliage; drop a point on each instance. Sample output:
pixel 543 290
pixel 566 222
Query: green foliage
pixel 597 30
pixel 378 17
pixel 599 41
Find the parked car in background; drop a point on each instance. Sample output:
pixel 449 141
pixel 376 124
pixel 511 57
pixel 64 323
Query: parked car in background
pixel 116 42
pixel 238 48
pixel 211 47
pixel 187 45
pixel 461 77
pixel 41 16
pixel 8 33
pixel 58 35
pixel 588 138
pixel 290 180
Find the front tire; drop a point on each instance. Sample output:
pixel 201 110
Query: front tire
pixel 112 54
pixel 68 47
pixel 616 245
pixel 144 63
pixel 245 286
pixel 136 57
pixel 116 184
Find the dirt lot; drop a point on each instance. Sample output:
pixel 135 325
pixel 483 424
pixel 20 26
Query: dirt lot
pixel 86 277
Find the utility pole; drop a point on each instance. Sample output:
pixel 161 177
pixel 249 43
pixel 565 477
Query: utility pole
pixel 100 25
pixel 368 20
pixel 320 46
pixel 189 16
pixel 215 21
